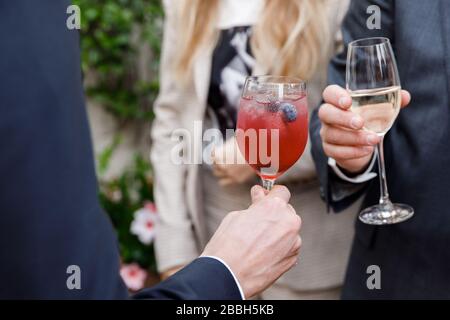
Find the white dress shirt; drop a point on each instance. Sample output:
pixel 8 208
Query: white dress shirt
pixel 361 178
pixel 244 13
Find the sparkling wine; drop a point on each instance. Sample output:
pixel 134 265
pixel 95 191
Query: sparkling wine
pixel 379 108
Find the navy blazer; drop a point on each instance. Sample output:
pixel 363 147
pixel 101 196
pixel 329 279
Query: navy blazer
pixel 50 216
pixel 413 256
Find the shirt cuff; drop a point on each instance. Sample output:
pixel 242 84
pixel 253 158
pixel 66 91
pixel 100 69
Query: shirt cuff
pixel 363 177
pixel 232 273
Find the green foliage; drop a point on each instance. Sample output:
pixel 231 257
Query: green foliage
pixel 112 34
pixel 121 198
pixel 105 157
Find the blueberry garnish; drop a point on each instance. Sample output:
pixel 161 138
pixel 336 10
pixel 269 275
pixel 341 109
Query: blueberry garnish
pixel 273 106
pixel 289 111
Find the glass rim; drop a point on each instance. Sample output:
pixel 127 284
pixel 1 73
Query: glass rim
pixel 359 42
pixel 287 80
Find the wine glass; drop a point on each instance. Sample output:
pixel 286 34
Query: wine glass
pixel 272 126
pixel 374 84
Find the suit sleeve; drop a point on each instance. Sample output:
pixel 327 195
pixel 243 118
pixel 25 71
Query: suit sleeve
pixel 354 27
pixel 50 218
pixel 203 279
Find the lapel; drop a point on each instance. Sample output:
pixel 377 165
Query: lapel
pixel 445 24
pixel 202 71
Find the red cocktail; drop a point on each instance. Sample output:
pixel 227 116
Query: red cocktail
pixel 272 127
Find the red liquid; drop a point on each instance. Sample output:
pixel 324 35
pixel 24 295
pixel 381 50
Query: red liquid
pixel 292 136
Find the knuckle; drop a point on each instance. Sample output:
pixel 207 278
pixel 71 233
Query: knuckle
pixel 278 202
pixel 285 190
pixel 287 220
pixel 298 244
pixel 295 223
pixel 298 222
pixel 348 121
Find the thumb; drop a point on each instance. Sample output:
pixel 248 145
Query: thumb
pixel 257 193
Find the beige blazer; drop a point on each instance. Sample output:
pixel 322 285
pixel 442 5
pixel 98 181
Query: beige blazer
pixel 181 229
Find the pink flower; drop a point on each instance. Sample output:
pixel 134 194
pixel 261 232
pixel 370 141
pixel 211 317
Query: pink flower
pixel 133 276
pixel 151 207
pixel 143 225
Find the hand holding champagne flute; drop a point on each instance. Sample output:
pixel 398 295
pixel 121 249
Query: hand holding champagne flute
pixel 355 120
pixel 374 98
pixel 342 137
pixel 374 84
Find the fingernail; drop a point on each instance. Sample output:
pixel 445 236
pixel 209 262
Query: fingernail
pixel 356 123
pixel 345 102
pixel 372 139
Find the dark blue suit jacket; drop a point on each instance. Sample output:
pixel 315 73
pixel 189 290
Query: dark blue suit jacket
pixel 50 216
pixel 414 256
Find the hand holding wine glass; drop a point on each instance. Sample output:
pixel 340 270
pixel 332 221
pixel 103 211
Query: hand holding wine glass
pixel 373 83
pixel 341 134
pixel 229 165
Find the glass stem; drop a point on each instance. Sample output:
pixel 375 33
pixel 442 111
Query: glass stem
pixel 268 184
pixel 384 193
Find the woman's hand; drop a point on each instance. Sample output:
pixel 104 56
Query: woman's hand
pixel 229 165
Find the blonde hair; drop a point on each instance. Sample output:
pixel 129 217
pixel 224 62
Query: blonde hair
pixel 290 38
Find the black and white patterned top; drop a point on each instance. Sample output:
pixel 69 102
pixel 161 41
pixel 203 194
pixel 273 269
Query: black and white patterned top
pixel 232 63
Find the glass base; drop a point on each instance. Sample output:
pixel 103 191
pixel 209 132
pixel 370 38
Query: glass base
pixel 386 214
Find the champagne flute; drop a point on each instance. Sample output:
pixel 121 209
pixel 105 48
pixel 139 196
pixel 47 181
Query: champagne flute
pixel 272 126
pixel 374 84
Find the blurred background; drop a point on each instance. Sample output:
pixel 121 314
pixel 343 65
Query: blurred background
pixel 121 44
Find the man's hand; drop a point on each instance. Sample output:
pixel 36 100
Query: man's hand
pixel 261 243
pixel 342 137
